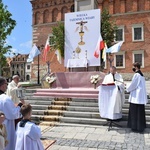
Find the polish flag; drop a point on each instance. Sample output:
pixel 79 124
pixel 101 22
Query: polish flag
pixel 46 49
pixel 99 46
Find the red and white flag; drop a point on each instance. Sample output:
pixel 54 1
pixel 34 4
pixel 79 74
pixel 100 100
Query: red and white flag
pixel 46 49
pixel 99 46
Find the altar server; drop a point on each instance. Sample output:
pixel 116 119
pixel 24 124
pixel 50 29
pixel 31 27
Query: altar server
pixel 138 100
pixel 11 113
pixel 28 134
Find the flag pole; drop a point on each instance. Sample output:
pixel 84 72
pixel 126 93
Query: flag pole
pixel 38 76
pixel 38 81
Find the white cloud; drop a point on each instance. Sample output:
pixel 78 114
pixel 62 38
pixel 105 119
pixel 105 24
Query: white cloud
pixel 27 44
pixel 13 38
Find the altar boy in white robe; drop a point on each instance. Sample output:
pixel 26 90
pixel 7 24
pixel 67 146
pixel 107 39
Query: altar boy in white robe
pixel 138 100
pixel 115 78
pixel 11 113
pixel 28 134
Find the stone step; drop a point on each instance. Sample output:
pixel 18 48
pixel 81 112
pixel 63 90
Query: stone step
pixel 35 102
pixel 39 98
pixel 48 112
pixel 82 109
pixel 68 90
pixel 66 95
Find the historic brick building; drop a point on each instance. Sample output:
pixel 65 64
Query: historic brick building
pixel 131 17
pixel 18 65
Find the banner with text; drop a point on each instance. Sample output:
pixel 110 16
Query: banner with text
pixel 82 31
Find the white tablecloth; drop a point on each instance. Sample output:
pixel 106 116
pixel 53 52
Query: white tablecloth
pixel 75 63
pixel 110 105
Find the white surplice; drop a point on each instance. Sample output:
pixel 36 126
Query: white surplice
pixel 11 113
pixel 28 137
pixel 111 97
pixel 12 91
pixel 137 90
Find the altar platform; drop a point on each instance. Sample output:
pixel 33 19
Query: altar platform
pixel 72 85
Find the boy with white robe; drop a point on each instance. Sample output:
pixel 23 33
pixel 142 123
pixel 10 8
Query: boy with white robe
pixel 3 133
pixel 11 113
pixel 28 134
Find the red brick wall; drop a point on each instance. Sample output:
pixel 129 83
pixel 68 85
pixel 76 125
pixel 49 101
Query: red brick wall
pixel 125 12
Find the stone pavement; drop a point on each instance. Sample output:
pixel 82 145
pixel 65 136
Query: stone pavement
pixel 82 137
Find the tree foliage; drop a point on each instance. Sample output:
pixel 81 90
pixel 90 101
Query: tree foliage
pixel 58 37
pixel 108 28
pixel 6 26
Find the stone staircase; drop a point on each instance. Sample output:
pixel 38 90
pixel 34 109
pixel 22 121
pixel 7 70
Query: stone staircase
pixel 49 110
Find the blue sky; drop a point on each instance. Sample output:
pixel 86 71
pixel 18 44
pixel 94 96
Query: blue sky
pixel 21 37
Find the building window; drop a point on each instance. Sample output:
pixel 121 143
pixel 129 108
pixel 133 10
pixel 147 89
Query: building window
pixel 22 66
pixel 51 40
pixel 63 11
pixel 119 59
pixel 28 67
pixel 72 8
pixel 37 18
pixel 138 56
pixel 54 15
pixel 17 65
pixel 27 77
pixel 46 16
pixel 21 72
pixel 137 32
pixel 120 34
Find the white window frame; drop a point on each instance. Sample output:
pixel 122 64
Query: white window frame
pixel 138 52
pixel 137 26
pixel 121 27
pixel 120 53
pixel 50 35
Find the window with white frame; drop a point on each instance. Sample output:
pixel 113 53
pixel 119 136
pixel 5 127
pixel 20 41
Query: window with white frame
pixel 119 59
pixel 137 32
pixel 28 67
pixel 51 40
pixel 120 34
pixel 138 56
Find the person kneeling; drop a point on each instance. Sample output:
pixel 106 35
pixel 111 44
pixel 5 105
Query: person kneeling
pixel 28 134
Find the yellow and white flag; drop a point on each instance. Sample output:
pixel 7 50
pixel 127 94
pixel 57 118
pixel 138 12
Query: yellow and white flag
pixel 104 52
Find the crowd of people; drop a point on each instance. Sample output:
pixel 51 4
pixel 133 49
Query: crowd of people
pixel 26 135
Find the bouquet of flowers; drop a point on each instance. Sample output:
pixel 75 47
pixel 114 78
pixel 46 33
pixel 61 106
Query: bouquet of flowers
pixel 50 79
pixel 95 79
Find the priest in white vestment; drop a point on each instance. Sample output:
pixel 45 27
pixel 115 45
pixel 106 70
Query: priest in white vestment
pixel 12 89
pixel 111 97
pixel 28 134
pixel 11 113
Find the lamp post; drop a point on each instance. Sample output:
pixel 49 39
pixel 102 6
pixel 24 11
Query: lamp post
pixel 38 75
pixel 48 67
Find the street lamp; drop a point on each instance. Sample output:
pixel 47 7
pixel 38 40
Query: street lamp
pixel 38 76
pixel 48 67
